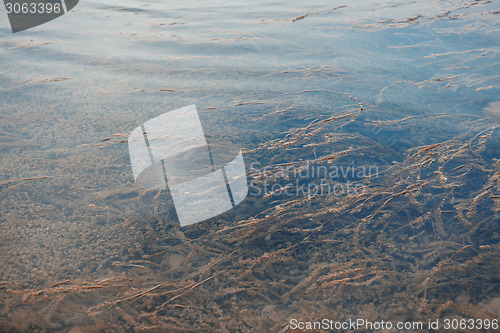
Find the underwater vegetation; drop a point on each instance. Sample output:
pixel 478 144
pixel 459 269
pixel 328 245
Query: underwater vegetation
pixel 374 181
pixel 419 242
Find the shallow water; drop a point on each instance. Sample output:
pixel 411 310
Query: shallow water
pixel 408 90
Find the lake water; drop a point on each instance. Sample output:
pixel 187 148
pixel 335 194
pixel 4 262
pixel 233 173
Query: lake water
pixel 370 134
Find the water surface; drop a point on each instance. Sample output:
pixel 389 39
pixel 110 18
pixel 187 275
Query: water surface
pixel 405 88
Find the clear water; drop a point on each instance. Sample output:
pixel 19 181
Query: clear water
pixel 399 75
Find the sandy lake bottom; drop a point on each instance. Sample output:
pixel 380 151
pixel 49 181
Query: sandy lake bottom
pixel 370 134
